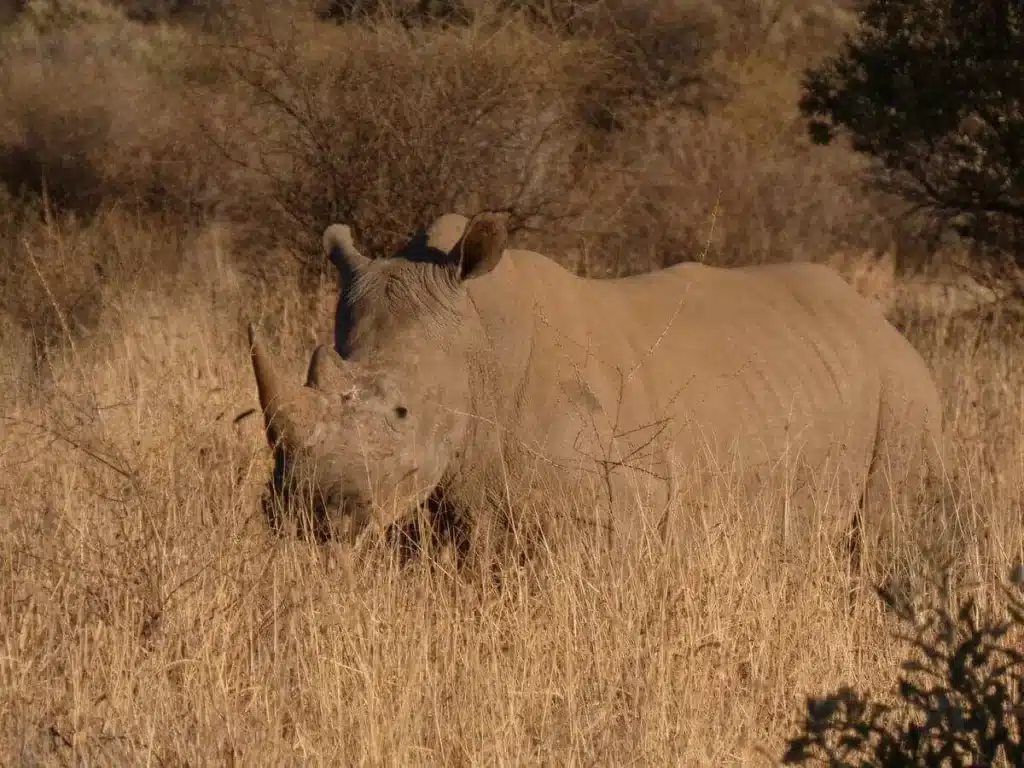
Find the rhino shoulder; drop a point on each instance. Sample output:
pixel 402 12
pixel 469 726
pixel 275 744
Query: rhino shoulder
pixel 804 273
pixel 810 281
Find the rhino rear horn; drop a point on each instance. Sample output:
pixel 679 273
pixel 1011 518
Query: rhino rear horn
pixel 328 371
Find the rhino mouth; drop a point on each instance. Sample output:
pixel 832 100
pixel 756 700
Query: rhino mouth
pixel 354 517
pixel 322 517
pixel 335 511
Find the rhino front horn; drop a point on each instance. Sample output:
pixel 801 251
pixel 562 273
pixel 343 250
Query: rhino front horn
pixel 282 406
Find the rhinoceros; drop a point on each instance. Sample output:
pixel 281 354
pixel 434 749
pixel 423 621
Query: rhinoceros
pixel 517 391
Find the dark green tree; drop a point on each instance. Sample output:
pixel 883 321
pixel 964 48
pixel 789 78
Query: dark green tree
pixel 934 90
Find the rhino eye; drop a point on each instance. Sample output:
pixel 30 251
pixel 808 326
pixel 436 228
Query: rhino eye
pixel 401 411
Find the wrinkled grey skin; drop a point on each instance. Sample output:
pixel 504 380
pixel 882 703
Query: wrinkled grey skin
pixel 318 463
pixel 516 391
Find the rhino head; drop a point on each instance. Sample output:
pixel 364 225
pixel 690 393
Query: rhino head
pixel 384 413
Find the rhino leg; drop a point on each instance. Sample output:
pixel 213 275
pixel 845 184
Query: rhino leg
pixel 904 531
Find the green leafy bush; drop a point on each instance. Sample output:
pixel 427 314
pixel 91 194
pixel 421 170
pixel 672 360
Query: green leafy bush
pixel 962 702
pixel 934 89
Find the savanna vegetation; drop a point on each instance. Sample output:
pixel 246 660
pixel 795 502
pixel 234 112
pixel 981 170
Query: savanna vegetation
pixel 166 171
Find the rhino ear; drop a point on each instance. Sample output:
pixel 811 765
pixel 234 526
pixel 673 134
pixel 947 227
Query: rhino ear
pixel 445 231
pixel 340 248
pixel 481 246
pixel 327 371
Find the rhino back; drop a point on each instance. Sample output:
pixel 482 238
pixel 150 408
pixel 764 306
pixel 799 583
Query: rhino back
pixel 684 364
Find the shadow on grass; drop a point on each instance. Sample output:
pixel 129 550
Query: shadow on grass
pixel 960 699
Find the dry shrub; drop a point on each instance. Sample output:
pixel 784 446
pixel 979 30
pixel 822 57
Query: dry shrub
pixel 650 56
pixel 646 55
pixel 58 275
pixel 9 10
pixel 585 124
pixel 687 188
pixel 150 11
pixel 388 128
pixel 385 127
pixel 790 31
pixel 136 10
pixel 593 125
pixel 409 13
pixel 93 112
pixel 661 53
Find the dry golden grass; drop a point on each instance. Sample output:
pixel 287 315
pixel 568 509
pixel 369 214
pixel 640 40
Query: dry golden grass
pixel 147 614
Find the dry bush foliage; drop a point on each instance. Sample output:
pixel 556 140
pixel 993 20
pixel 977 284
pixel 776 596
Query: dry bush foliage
pixel 615 141
pixel 93 114
pixel 389 130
